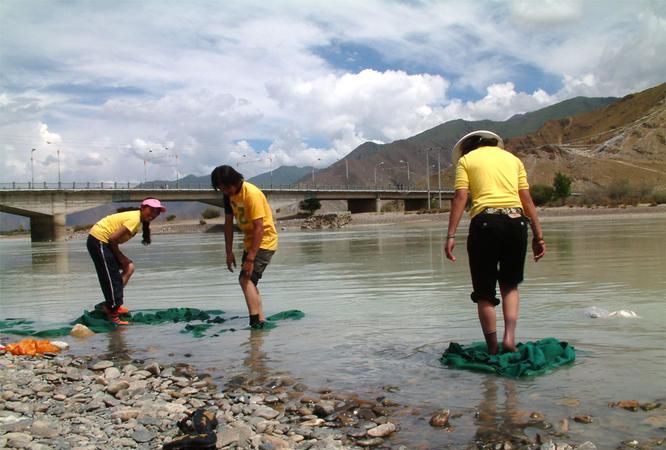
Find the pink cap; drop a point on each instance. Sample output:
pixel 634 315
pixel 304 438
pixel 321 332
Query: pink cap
pixel 153 203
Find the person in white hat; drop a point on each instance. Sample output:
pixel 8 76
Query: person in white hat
pixel 114 269
pixel 501 210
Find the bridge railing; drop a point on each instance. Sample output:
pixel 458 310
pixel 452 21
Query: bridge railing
pixel 117 185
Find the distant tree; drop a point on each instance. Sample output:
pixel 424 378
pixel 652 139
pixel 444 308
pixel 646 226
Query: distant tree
pixel 561 186
pixel 541 194
pixel 310 204
pixel 210 213
pixel 170 217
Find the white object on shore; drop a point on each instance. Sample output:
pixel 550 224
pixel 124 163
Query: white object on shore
pixel 600 313
pixel 60 344
pixel 624 313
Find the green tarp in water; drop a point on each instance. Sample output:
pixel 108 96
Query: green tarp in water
pixel 530 359
pixel 198 321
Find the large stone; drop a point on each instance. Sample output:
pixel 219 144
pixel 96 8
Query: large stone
pixel 324 408
pixel 274 442
pixel 125 414
pixel 142 435
pixel 102 365
pixel 266 412
pixel 227 437
pixel 117 386
pixel 44 429
pixel 111 373
pixel 18 440
pixel 440 419
pixel 81 331
pixel 382 430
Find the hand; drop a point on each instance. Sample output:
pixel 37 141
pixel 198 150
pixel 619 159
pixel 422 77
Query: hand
pixel 448 248
pixel 538 248
pixel 231 260
pixel 248 267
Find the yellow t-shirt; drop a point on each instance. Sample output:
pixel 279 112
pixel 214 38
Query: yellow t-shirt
pixel 493 177
pixel 251 204
pixel 103 229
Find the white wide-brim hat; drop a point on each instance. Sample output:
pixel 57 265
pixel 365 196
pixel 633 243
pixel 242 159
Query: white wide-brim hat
pixel 455 156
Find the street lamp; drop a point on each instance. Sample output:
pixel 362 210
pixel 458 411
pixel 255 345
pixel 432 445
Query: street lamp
pixel 58 154
pixel 439 175
pixel 406 162
pixel 32 167
pixel 380 164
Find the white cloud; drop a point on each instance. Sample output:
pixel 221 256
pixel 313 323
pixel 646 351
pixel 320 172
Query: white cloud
pixel 203 84
pixel 370 104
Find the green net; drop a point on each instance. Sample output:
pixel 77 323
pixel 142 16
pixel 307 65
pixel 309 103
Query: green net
pixel 198 321
pixel 530 359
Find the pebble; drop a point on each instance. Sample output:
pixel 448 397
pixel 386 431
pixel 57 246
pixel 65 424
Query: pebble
pixel 102 365
pixel 441 419
pixel 382 430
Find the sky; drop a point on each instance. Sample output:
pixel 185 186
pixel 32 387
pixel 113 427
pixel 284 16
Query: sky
pixel 156 89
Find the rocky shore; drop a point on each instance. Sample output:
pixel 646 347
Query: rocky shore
pixel 82 403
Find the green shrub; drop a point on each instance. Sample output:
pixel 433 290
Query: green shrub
pixel 310 205
pixel 659 197
pixel 202 222
pixel 170 217
pixel 541 194
pixel 561 186
pixel 210 213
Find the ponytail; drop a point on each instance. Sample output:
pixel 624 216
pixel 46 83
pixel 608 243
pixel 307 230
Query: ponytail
pixel 146 233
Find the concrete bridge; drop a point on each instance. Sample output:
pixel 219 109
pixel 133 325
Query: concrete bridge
pixel 47 207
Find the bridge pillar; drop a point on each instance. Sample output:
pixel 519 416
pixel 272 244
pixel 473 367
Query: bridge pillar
pixel 416 204
pixel 364 205
pixel 46 228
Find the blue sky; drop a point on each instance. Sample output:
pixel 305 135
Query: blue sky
pixel 186 86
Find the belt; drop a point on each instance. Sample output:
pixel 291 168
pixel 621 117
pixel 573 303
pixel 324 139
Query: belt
pixel 504 211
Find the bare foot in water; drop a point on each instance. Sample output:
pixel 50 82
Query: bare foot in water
pixel 508 348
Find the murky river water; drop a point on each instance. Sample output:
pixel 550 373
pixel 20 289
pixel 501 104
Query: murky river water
pixel 381 306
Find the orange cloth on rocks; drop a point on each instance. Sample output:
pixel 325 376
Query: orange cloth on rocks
pixel 31 347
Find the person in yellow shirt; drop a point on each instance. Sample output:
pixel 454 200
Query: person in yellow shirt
pixel 114 269
pixel 248 205
pixel 501 210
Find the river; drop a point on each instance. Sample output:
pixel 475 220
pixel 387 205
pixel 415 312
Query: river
pixel 381 305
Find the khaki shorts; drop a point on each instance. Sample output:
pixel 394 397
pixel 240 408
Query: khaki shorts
pixel 262 260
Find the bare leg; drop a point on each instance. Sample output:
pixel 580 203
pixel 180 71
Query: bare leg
pixel 252 298
pixel 127 274
pixel 486 311
pixel 510 309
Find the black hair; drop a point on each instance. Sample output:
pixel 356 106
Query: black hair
pixel 476 141
pixel 225 176
pixel 145 226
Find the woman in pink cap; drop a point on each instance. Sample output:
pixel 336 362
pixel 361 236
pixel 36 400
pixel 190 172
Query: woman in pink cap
pixel 114 269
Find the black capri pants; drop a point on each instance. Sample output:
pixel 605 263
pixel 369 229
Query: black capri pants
pixel 108 272
pixel 497 246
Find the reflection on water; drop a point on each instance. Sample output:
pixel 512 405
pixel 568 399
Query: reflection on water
pixel 381 306
pixel 118 350
pixel 499 417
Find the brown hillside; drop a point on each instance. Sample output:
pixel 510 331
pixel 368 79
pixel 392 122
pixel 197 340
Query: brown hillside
pixel 625 141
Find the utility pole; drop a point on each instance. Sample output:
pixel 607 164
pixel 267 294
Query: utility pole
pixel 439 176
pixel 32 167
pixel 428 174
